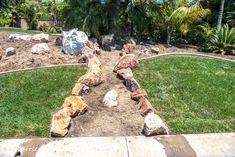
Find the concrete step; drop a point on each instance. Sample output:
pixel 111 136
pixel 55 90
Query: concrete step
pixel 202 145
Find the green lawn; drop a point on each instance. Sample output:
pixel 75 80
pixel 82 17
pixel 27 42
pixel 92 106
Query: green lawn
pixel 192 94
pixel 23 31
pixel 28 98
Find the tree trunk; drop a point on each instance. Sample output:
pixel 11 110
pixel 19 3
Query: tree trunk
pixel 113 8
pixel 169 32
pixel 220 15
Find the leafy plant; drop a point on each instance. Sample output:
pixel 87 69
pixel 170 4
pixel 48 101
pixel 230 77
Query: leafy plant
pixel 222 42
pixel 30 10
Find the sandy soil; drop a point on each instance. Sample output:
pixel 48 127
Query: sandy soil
pixel 25 59
pixel 102 121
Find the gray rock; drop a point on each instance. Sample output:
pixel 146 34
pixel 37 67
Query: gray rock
pixel 155 50
pixel 74 41
pixel 107 39
pixel 10 51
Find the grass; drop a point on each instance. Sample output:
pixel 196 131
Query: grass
pixel 27 99
pixel 23 31
pixel 192 94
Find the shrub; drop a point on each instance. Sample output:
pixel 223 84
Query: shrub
pixel 223 41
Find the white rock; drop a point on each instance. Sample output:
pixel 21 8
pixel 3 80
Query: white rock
pixel 153 125
pixel 25 37
pixel 10 51
pixel 144 52
pixel 155 50
pixel 110 99
pixel 40 48
pixel 18 37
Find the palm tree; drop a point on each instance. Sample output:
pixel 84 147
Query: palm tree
pixel 220 15
pixel 181 14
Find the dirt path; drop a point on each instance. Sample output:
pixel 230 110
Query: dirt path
pixel 102 121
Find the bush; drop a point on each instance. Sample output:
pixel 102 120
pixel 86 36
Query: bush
pixel 223 41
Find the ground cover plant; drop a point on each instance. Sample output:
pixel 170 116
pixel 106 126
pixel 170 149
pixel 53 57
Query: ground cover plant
pixel 192 94
pixel 28 98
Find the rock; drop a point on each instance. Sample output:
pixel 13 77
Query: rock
pixel 118 47
pixel 74 41
pixel 59 41
pixel 131 84
pixel 0 56
pixel 110 99
pixel 144 52
pixel 91 79
pixel 26 37
pixel 60 122
pixel 155 50
pixel 10 51
pixel 128 48
pixel 79 89
pixel 126 61
pixel 125 73
pixel 14 37
pixel 136 95
pixel 94 46
pixel 76 104
pixel 107 39
pixel 41 37
pixel 82 59
pixel 40 48
pixel 94 40
pixel 145 106
pixel 17 37
pixel 153 125
pixel 106 47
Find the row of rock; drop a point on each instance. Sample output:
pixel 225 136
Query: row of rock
pixel 75 105
pixel 37 37
pixel 153 124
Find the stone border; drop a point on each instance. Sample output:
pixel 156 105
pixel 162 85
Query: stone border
pixel 42 67
pixel 189 54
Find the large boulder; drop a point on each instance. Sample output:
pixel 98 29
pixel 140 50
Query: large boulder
pixel 10 51
pixel 41 37
pixel 74 41
pixel 153 125
pixel 41 48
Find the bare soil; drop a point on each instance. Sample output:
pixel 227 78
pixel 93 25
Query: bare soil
pixel 25 59
pixel 123 120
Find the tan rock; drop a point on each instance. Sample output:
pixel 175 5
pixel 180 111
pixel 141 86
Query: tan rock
pixel 41 37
